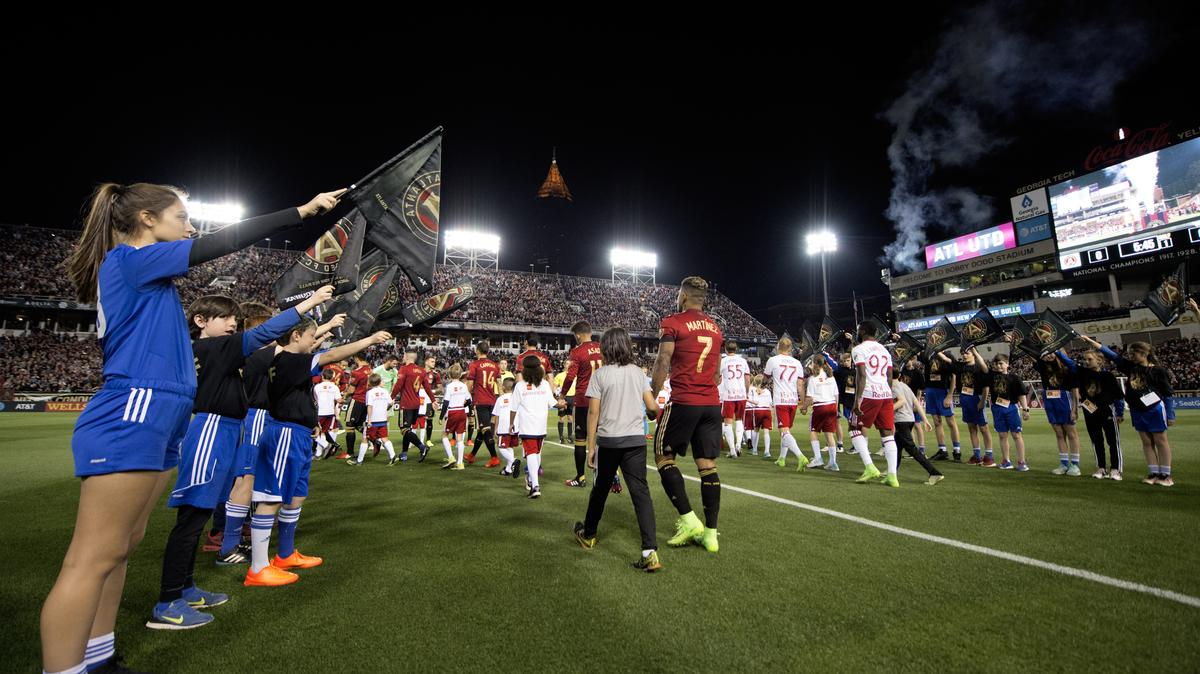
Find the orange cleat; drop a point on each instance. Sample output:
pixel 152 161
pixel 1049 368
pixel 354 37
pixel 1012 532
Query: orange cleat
pixel 343 455
pixel 493 463
pixel 471 459
pixel 296 561
pixel 270 576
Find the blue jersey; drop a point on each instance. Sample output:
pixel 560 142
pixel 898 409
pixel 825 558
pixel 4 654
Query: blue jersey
pixel 140 321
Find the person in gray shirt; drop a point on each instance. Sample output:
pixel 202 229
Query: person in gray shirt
pixel 907 413
pixel 618 396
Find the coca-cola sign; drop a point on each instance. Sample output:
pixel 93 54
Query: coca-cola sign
pixel 1147 140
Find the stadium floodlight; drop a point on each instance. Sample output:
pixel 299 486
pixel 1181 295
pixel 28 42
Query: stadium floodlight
pixel 822 242
pixel 472 249
pixel 472 240
pixel 217 214
pixel 633 266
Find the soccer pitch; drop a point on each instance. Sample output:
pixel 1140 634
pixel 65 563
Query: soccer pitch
pixel 432 570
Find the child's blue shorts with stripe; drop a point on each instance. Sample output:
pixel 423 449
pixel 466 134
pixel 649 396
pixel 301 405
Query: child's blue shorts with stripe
pixel 207 463
pixel 281 472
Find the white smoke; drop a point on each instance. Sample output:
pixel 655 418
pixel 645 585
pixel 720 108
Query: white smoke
pixel 989 69
pixel 1142 174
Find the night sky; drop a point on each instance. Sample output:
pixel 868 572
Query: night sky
pixel 717 150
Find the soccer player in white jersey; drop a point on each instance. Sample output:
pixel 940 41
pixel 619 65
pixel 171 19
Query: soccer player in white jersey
pixel 735 375
pixel 457 397
pixel 379 403
pixel 787 382
pixel 328 395
pixel 873 403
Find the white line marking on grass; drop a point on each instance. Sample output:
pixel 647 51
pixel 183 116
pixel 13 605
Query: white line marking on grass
pixel 1170 595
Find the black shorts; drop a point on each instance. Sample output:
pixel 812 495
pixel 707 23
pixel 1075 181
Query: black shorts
pixel 581 417
pixel 683 425
pixel 566 411
pixel 409 418
pixel 483 416
pixel 357 415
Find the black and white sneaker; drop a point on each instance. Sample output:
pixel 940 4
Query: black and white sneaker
pixel 424 451
pixel 516 469
pixel 234 557
pixel 535 492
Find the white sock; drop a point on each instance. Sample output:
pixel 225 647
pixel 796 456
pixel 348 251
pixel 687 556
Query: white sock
pixel 727 432
pixel 739 430
pixel 362 452
pixel 859 441
pixel 767 442
pixel 446 445
pixel 507 454
pixel 321 443
pixel 387 444
pixel 816 448
pixel 892 454
pixel 784 447
pixel 754 442
pixel 99 649
pixel 534 461
pixel 458 442
pixel 260 540
pixel 81 668
pixel 832 452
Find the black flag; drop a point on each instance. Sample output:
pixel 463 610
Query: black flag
pixel 1169 300
pixel 430 310
pixel 940 337
pixel 1023 332
pixel 1051 333
pixel 808 346
pixel 373 266
pixel 906 348
pixel 345 277
pixel 981 329
pixel 315 267
pixel 830 331
pixel 362 316
pixel 402 201
pixel 882 332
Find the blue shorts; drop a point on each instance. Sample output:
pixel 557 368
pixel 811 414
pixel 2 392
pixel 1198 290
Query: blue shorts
pixel 1152 420
pixel 848 411
pixel 1008 419
pixel 970 410
pixel 207 464
pixel 254 438
pixel 281 472
pixel 131 425
pixel 934 399
pixel 1058 410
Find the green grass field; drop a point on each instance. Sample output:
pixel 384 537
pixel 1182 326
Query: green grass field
pixel 435 570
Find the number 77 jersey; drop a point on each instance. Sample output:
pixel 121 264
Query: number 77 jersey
pixel 696 358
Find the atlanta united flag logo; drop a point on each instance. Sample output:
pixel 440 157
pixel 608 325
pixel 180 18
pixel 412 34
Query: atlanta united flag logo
pixel 936 336
pixel 322 257
pixel 1170 292
pixel 975 329
pixel 442 302
pixel 1044 333
pixel 423 206
pixel 369 277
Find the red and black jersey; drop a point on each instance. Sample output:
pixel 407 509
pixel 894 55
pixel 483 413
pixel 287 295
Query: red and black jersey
pixel 410 379
pixel 696 358
pixel 543 358
pixel 358 379
pixel 581 363
pixel 484 373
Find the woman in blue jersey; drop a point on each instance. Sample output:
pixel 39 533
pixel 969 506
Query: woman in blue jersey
pixel 136 240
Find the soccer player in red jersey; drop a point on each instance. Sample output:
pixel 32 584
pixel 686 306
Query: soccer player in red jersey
pixel 356 415
pixel 531 349
pixel 410 379
pixel 583 360
pixel 689 352
pixel 482 379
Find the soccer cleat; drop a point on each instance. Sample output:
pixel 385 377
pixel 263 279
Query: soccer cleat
pixel 404 456
pixel 394 460
pixel 869 473
pixel 424 453
pixel 1073 471
pixel 234 557
pixel 352 462
pixel 516 469
pixel 270 576
pixel 584 541
pixel 1060 470
pixel 940 456
pixel 957 456
pixel 177 615
pixel 891 480
pixel 493 463
pixel 213 542
pixel 616 485
pixel 687 528
pixel 782 462
pixel 296 561
pixel 580 481
pixel 707 540
pixel 988 462
pixel 649 563
pixel 470 442
pixel 803 462
pixel 197 598
pixel 449 464
pixel 1165 481
pixel 1099 474
pixel 974 461
pixel 343 455
pixel 535 492
pixel 1007 465
pixel 934 479
pixel 832 467
pixel 766 456
pixel 471 459
pixel 812 465
pixel 1022 467
pixel 1115 475
pixel 459 466
pixel 1152 478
